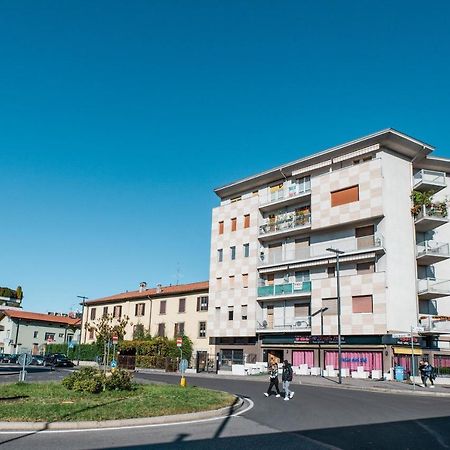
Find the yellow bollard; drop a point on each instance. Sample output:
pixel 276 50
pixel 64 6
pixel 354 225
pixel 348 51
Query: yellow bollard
pixel 183 382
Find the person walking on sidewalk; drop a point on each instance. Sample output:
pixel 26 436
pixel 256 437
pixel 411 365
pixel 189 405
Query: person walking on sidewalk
pixel 286 377
pixel 426 372
pixel 273 377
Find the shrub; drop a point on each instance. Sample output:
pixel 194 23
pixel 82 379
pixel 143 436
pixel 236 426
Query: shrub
pixel 119 380
pixel 87 379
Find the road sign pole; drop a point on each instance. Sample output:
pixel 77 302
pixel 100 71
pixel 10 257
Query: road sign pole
pixel 413 369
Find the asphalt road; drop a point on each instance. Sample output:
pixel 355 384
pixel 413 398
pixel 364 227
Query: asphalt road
pixel 316 418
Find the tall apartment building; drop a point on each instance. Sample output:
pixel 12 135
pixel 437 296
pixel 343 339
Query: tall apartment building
pixel 273 282
pixel 168 311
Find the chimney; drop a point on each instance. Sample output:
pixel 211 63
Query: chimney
pixel 142 286
pixel 158 288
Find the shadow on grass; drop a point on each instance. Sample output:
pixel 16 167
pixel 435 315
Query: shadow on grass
pixel 15 397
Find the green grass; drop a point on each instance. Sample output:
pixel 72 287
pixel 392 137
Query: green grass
pixel 51 402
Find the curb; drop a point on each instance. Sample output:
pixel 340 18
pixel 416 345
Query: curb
pixel 141 421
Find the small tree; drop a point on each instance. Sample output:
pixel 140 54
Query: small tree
pixel 105 330
pixel 141 334
pixel 19 293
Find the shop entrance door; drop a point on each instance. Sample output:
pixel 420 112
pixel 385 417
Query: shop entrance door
pixel 274 356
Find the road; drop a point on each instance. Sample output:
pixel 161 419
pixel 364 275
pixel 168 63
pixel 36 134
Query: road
pixel 316 418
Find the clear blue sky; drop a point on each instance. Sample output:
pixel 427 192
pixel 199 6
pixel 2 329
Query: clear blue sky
pixel 118 118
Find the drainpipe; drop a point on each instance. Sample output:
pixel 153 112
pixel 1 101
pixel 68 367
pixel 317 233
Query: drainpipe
pixel 150 318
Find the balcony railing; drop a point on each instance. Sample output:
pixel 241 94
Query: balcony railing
pixel 289 192
pixel 316 251
pixel 431 212
pixel 435 324
pixel 429 180
pixel 433 287
pixel 297 324
pixel 285 223
pixel 433 248
pixel 299 287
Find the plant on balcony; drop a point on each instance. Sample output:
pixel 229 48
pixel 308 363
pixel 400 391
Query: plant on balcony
pixel 421 199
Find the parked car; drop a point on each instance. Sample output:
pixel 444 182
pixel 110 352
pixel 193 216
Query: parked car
pixel 7 358
pixel 58 360
pixel 38 360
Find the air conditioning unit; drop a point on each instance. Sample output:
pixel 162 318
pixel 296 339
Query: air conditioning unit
pixel 301 324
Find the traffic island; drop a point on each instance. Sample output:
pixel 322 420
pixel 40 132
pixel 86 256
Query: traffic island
pixel 44 404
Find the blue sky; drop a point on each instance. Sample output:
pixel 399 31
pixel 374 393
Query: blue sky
pixel 118 118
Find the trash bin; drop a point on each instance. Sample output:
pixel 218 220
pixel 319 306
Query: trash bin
pixel 399 373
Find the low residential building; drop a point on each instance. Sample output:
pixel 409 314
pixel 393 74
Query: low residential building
pixel 169 311
pixel 29 332
pixel 273 285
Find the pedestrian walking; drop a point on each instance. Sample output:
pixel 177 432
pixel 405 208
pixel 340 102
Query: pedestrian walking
pixel 273 377
pixel 426 373
pixel 286 377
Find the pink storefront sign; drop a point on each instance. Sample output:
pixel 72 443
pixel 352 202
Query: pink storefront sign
pixel 353 360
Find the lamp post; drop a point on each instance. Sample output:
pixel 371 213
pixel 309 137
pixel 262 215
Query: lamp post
pixel 82 297
pixel 338 253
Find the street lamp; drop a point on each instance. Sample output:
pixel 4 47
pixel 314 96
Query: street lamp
pixel 82 297
pixel 338 253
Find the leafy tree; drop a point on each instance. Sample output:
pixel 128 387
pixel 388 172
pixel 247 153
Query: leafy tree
pixel 141 334
pixel 19 293
pixel 105 329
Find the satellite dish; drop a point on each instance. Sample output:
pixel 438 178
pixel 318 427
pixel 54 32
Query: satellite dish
pixel 264 323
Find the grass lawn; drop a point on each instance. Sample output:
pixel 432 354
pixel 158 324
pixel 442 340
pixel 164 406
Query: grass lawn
pixel 51 402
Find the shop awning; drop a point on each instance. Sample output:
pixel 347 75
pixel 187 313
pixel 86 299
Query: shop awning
pixel 407 351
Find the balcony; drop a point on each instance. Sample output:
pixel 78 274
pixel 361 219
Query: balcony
pixel 286 196
pixel 430 217
pixel 435 324
pixel 429 180
pixel 430 252
pixel 430 288
pixel 285 225
pixel 296 289
pixel 350 245
pixel 298 324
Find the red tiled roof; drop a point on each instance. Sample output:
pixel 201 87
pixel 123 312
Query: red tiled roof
pixel 166 291
pixel 40 317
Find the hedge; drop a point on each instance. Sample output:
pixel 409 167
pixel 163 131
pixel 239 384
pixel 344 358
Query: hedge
pixel 88 352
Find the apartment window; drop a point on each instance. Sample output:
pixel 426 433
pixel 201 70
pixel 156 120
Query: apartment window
pixel 230 312
pixel 221 227
pixel 255 193
pixel 301 310
pixel 276 192
pixel 117 312
pixel 362 304
pixel 92 313
pixel 244 312
pixel 247 221
pixel 49 336
pixel 331 272
pixel 61 335
pixel 367 267
pixel 178 329
pixel 162 307
pixel 202 329
pixel 139 309
pixel 246 250
pixel 202 303
pixel 220 255
pixel 35 334
pixel 231 281
pixel 302 275
pixel 219 283
pixel 161 329
pixel 245 280
pixel 270 279
pixel 233 224
pixel 236 199
pixel 217 313
pixel 105 311
pixel 331 304
pixel 91 333
pixel 343 196
pixel 182 305
pixel 233 252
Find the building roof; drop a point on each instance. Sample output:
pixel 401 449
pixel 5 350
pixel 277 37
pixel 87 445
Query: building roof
pixel 389 137
pixel 163 291
pixel 39 317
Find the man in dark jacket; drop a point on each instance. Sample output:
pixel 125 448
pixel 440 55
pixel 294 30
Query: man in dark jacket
pixel 426 372
pixel 286 377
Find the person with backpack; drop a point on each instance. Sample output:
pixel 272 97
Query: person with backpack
pixel 426 373
pixel 273 377
pixel 286 377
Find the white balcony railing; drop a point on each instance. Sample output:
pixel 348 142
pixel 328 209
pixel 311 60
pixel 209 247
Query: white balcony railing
pixel 285 222
pixel 433 248
pixel 297 324
pixel 433 286
pixel 429 178
pixel 289 192
pixel 431 212
pixel 347 245
pixel 435 324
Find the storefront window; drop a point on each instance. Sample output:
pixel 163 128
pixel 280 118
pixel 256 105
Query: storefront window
pixel 303 357
pixel 352 360
pixel 230 357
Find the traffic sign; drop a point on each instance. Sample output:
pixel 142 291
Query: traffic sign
pixel 179 341
pixel 113 364
pixel 401 335
pixel 418 329
pixel 115 339
pixel 183 365
pixel 24 359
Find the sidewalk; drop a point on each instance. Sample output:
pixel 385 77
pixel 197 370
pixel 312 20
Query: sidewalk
pixel 393 387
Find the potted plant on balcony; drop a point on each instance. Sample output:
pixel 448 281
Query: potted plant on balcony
pixel 419 200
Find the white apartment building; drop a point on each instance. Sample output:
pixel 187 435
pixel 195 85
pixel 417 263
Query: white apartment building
pixel 168 311
pixel 273 286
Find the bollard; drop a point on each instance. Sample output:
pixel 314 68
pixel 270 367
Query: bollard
pixel 183 381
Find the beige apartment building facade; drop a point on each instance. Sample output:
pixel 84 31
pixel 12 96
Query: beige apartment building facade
pixel 273 284
pixel 168 311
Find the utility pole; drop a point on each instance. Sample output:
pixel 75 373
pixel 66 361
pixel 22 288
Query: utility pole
pixel 83 298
